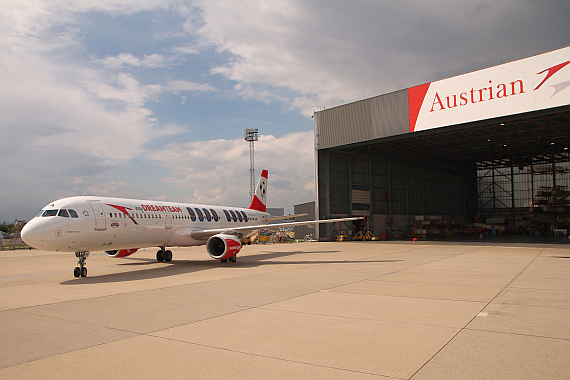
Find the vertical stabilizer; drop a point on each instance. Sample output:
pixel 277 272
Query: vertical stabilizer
pixel 259 200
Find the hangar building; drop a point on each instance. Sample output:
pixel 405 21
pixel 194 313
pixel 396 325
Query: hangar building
pixel 483 152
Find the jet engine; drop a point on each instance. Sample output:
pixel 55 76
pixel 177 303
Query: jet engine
pixel 121 252
pixel 223 247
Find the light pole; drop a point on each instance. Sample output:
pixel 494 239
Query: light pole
pixel 251 136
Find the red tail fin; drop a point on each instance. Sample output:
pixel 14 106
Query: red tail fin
pixel 259 200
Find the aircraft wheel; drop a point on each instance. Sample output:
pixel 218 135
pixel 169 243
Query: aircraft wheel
pixel 224 260
pixel 160 255
pixel 77 272
pixel 84 272
pixel 233 259
pixel 168 256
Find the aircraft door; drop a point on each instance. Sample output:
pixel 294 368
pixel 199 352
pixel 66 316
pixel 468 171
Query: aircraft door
pixel 167 221
pixel 100 221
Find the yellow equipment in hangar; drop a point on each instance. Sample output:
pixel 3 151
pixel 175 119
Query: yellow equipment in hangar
pixel 364 236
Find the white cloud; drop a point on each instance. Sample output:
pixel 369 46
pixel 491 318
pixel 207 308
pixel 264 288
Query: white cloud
pixel 151 61
pixel 218 170
pixel 182 85
pixel 332 52
pixel 64 124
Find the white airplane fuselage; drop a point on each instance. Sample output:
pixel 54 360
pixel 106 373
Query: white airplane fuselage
pixel 104 224
pixel 120 226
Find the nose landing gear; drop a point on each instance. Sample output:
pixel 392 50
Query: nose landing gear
pixel 81 270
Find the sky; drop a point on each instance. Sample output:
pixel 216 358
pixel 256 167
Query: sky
pixel 149 99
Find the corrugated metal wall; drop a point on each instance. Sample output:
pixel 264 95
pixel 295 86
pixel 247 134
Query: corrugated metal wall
pixel 305 208
pixel 369 119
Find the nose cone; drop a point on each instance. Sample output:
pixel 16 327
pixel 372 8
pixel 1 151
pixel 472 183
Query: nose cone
pixel 33 233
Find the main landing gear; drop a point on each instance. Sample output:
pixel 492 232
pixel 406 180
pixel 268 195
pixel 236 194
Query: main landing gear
pixel 81 270
pixel 163 255
pixel 232 259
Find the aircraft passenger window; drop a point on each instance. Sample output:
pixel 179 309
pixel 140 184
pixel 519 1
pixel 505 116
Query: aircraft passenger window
pixel 120 215
pixel 244 215
pixel 50 213
pixel 115 215
pixel 200 215
pixel 63 212
pixel 234 217
pixel 208 216
pixel 73 213
pixel 228 217
pixel 192 214
pixel 215 215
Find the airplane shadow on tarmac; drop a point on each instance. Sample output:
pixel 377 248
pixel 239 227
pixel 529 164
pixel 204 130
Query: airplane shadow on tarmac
pixel 176 267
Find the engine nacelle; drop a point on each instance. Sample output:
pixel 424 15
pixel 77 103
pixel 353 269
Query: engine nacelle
pixel 121 252
pixel 222 247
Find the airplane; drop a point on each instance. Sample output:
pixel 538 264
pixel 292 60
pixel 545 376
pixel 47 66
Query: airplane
pixel 120 227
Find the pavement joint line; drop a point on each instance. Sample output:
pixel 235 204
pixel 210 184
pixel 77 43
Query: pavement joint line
pixel 550 290
pixel 423 297
pixel 437 283
pixel 400 270
pixel 277 358
pixel 472 319
pixel 360 319
pixel 72 350
pixel 518 334
pixel 527 305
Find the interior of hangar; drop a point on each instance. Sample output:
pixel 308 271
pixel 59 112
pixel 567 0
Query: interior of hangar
pixel 415 171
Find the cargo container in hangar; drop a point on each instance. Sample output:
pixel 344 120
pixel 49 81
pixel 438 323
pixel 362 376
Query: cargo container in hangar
pixel 483 153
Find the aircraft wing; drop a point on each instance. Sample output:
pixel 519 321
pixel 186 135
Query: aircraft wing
pixel 272 218
pixel 248 230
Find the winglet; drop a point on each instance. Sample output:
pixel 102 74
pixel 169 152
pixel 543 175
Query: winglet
pixel 259 200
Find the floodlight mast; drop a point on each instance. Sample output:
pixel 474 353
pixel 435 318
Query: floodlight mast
pixel 251 136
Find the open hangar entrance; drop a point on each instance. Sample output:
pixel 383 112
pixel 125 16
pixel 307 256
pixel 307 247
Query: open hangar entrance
pixel 512 173
pixel 505 173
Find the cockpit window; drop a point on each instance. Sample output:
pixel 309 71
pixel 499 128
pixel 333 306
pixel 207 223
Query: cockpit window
pixel 63 212
pixel 72 213
pixel 50 213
